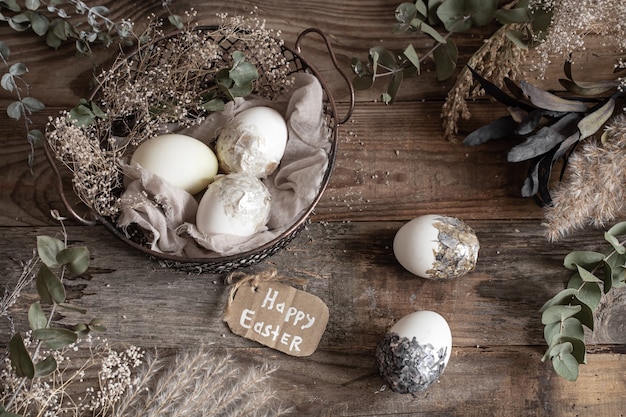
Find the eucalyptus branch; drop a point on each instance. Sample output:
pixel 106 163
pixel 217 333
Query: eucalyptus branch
pixel 568 311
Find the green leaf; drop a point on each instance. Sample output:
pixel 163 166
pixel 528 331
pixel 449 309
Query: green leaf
pixel 411 55
pixel 36 317
pixel 18 69
pixel 48 248
pixel 216 104
pixel 56 338
pixel 515 15
pixel 590 294
pixel 432 32
pixel 75 258
pixel 618 229
pixel 587 276
pixel 518 38
pixel 176 21
pixel 565 296
pixel 5 51
pixel 15 110
pixel 32 104
pixel 445 56
pixel 4 413
pixel 72 307
pixel 19 22
pixel 406 12
pixel 572 328
pixel 586 259
pixel 453 13
pixel 20 358
pixel 35 136
pixel 617 245
pixel 11 5
pixel 558 313
pixel 39 23
pixel 566 366
pixel 394 85
pixel 8 82
pixel 32 4
pixel 97 325
pixel 45 367
pixel 49 287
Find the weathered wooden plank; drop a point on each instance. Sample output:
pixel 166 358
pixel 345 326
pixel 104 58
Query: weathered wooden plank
pixel 392 163
pixel 351 267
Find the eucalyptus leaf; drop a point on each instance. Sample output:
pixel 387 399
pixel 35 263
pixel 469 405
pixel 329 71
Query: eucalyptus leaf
pixel 565 296
pixel 5 51
pixel 216 104
pixel 518 38
pixel 39 23
pixel 590 294
pixel 55 338
pixel 45 367
pixel 586 275
pixel 15 110
pixel 72 307
pixel 49 287
pixel 459 15
pixel 432 32
pixel 514 15
pixel 573 328
pixel 617 229
pixel 75 258
pixel 11 5
pixel 36 317
pixel 20 358
pixel 18 69
pixel 176 21
pixel 445 57
pixel 410 53
pixel 32 4
pixel 32 104
pixel 566 366
pixel 578 348
pixel 394 85
pixel 586 259
pixel 617 245
pixel 8 82
pixel 48 249
pixel 558 313
pixel 406 12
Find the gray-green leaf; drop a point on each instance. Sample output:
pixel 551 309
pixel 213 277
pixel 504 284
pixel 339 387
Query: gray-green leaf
pixel 36 317
pixel 48 248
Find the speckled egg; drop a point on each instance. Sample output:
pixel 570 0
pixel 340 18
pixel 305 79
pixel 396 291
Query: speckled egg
pixel 415 352
pixel 436 247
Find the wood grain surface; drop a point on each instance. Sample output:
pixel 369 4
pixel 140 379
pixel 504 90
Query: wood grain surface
pixel 392 165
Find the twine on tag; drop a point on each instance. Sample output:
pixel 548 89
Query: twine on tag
pixel 239 279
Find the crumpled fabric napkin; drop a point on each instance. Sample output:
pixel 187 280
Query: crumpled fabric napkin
pixel 168 212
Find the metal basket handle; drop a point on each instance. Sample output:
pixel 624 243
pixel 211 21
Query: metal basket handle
pixel 66 203
pixel 333 58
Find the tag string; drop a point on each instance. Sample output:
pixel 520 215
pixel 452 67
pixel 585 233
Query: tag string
pixel 239 279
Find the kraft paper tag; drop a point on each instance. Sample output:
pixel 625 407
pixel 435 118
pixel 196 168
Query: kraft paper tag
pixel 277 315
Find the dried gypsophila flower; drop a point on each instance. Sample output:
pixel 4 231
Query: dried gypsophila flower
pixel 574 20
pixel 594 192
pixel 66 392
pixel 157 89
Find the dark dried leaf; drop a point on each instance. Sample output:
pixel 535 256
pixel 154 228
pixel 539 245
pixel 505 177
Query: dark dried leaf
pixel 545 139
pixel 495 92
pixel 549 101
pixel 593 121
pixel 588 89
pixel 498 129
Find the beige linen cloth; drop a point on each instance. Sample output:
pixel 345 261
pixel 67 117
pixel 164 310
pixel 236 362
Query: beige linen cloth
pixel 168 212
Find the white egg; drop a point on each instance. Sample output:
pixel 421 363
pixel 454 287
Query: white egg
pixel 415 351
pixel 234 204
pixel 253 141
pixel 181 160
pixel 436 247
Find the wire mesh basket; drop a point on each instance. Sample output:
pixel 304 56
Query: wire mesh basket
pixel 214 262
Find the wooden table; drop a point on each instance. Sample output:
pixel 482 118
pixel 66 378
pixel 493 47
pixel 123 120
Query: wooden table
pixel 392 165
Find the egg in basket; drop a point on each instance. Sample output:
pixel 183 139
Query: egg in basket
pixel 207 149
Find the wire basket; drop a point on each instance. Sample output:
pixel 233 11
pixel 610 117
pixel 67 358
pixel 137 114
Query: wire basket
pixel 213 262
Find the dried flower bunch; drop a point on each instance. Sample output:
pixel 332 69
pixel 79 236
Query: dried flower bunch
pixel 60 370
pixel 169 82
